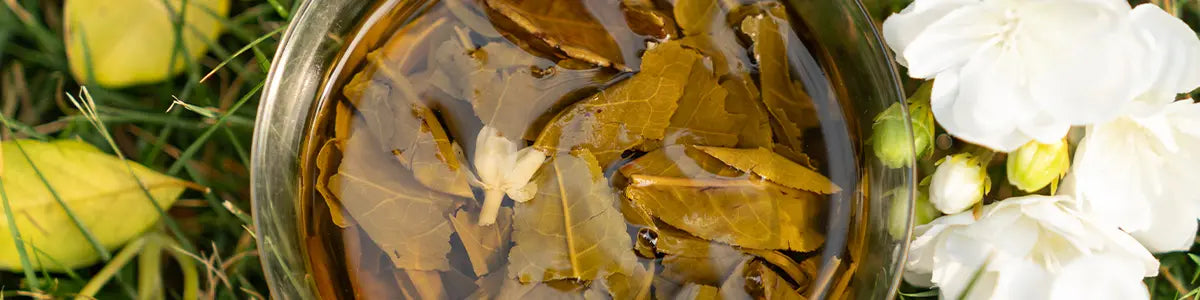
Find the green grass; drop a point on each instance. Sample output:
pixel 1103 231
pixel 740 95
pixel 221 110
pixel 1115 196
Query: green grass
pixel 202 248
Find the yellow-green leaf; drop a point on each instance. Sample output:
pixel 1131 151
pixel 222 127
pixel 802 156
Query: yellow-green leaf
pixel 97 188
pixel 570 29
pixel 692 191
pixel 701 118
pixel 119 43
pixel 753 279
pixel 626 114
pixel 694 291
pixel 571 229
pixel 773 167
pixel 691 259
pixel 327 161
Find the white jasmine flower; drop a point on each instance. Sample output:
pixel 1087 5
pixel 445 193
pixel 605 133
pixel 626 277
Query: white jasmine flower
pixel 1141 174
pixel 1011 71
pixel 1032 247
pixel 959 182
pixel 503 167
pixel 1173 61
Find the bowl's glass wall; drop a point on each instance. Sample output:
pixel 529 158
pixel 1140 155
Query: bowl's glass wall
pixel 865 84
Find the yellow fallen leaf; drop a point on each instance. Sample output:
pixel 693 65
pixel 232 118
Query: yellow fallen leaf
pixel 129 42
pixel 773 167
pixel 95 185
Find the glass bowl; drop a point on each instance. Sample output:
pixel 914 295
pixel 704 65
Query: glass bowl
pixel 865 83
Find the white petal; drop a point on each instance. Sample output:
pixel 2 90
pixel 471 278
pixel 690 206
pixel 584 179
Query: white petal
pixel 920 264
pixel 527 162
pixel 958 262
pixel 492 153
pixel 1117 147
pixel 983 104
pixel 902 28
pixel 1021 279
pixel 1099 277
pixel 952 40
pixel 1173 227
pixel 1174 52
pixel 1076 86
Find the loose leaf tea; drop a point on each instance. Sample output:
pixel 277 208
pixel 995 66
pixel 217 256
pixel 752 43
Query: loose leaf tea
pixel 571 229
pixel 628 113
pixel 404 218
pixel 571 149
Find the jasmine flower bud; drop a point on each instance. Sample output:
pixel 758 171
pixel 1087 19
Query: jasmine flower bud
pixel 889 139
pixel 923 211
pixel 959 182
pixel 1036 165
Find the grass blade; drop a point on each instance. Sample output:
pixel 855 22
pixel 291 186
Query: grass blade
pixel 16 236
pixel 203 138
pixel 243 50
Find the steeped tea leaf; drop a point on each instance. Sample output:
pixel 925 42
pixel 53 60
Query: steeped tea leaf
pixel 773 167
pixel 634 285
pixel 744 100
pixel 645 19
pixel 704 26
pixel 409 131
pixel 486 246
pixel 99 188
pixel 754 280
pixel 691 259
pixel 468 13
pixel 564 25
pixel 738 210
pixel 701 118
pixel 499 285
pixel 404 218
pixel 789 105
pixel 417 284
pixel 626 114
pixel 327 165
pixel 694 291
pixel 571 229
pixel 518 102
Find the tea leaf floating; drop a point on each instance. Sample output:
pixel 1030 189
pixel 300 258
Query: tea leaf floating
pixel 754 280
pixel 694 291
pixel 327 161
pixel 773 167
pixel 738 210
pixel 499 285
pixel 628 113
pixel 408 130
pixel 404 218
pixel 634 285
pixel 701 118
pixel 784 97
pixel 563 25
pixel 691 259
pixel 96 186
pixel 571 229
pixel 486 245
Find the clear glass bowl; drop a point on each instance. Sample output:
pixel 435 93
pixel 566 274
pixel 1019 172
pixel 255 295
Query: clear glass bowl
pixel 865 80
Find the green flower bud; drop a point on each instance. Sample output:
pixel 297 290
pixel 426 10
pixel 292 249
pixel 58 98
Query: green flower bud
pixel 923 212
pixel 1035 165
pixel 889 139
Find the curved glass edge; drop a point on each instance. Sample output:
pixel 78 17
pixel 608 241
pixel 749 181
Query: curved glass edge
pixel 864 67
pixel 298 69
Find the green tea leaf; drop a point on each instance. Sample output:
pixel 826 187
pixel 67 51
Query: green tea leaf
pixel 754 280
pixel 691 259
pixel 392 114
pixel 744 100
pixel 404 218
pixel 120 43
pixel 571 229
pixel 328 158
pixel 519 101
pixel 486 246
pixel 675 185
pixel 634 285
pixel 693 291
pixel 368 268
pixel 645 19
pixel 705 29
pixel 788 104
pixel 568 28
pixel 499 285
pixel 701 118
pixel 626 114
pixel 96 187
pixel 774 167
